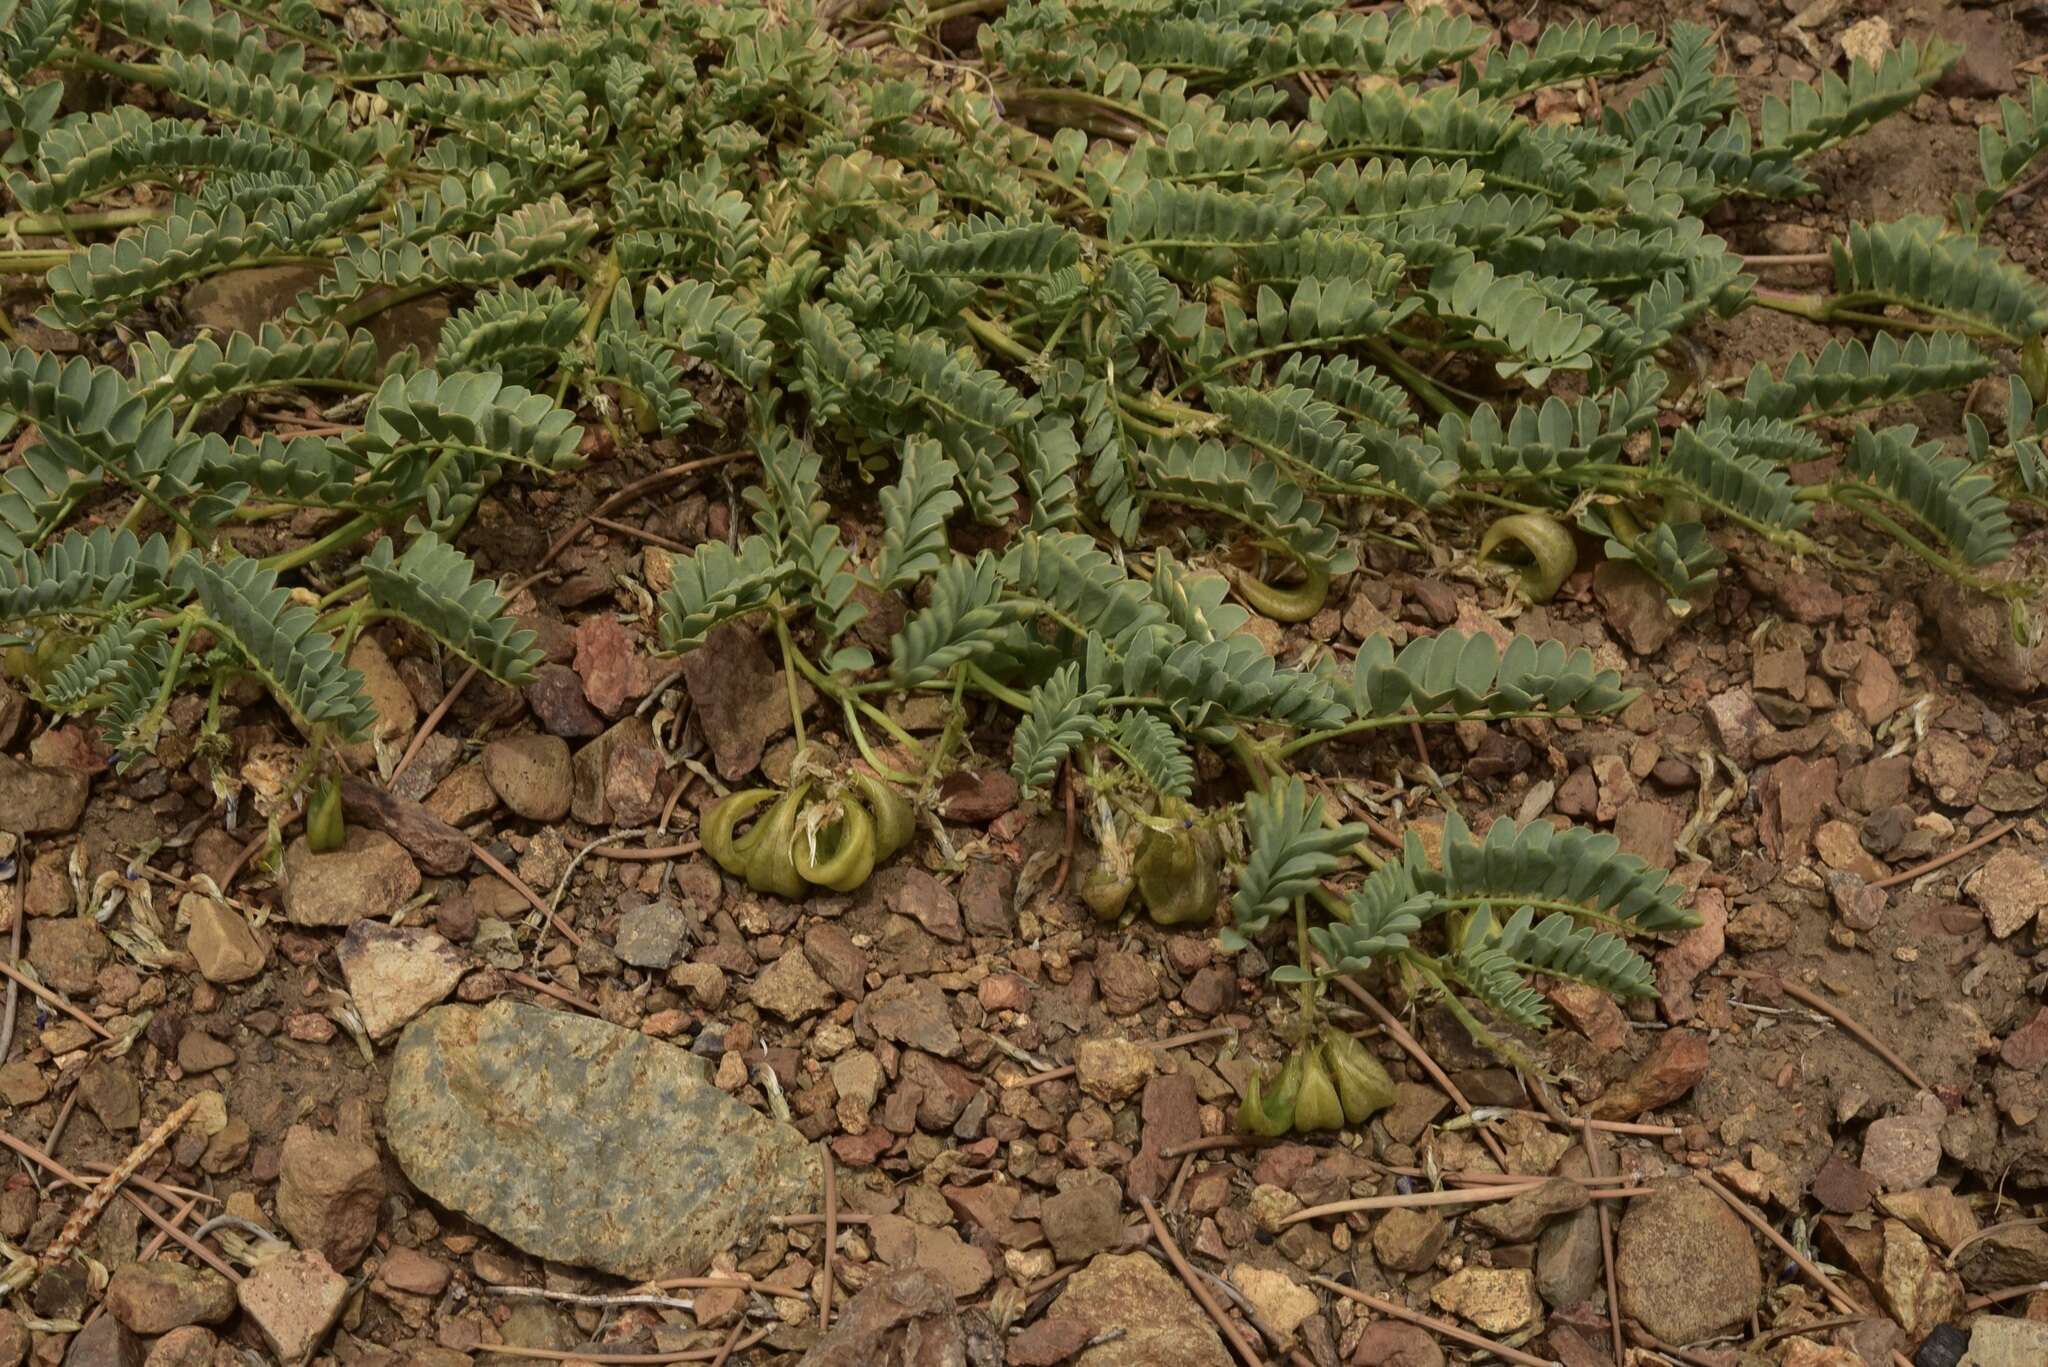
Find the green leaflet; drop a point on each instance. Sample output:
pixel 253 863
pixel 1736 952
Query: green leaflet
pixel 433 586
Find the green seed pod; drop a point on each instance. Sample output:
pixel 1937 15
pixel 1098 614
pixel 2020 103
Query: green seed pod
pixel 839 856
pixel 1297 603
pixel 770 849
pixel 895 819
pixel 1271 1114
pixel 1362 1082
pixel 1106 890
pixel 1553 555
pixel 715 833
pixel 1179 872
pixel 325 829
pixel 1316 1106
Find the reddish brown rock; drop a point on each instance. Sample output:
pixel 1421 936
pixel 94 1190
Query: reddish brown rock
pixel 1673 1067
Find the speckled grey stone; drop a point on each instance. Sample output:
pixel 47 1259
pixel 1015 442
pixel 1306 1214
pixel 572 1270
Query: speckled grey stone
pixel 587 1144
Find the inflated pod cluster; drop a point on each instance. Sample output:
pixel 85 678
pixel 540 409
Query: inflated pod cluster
pixel 1329 1082
pixel 779 854
pixel 1178 872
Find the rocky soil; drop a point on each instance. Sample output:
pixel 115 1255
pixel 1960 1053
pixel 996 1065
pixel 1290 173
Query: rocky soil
pixel 517 1074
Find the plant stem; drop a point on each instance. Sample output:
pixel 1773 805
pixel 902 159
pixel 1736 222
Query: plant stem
pixel 347 534
pixel 151 76
pixel 16 224
pixel 796 710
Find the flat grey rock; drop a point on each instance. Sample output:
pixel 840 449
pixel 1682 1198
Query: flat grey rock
pixel 587 1144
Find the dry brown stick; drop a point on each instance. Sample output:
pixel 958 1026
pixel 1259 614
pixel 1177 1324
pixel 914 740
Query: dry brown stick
pixel 1593 1166
pixel 640 534
pixel 729 1281
pixel 96 1199
pixel 2003 1293
pixel 628 1359
pixel 1839 1017
pixel 13 984
pixel 1194 1284
pixel 560 994
pixel 1467 1196
pixel 1214 1141
pixel 831 1237
pixel 15 975
pixel 1434 1325
pixel 1399 1034
pixel 1987 1231
pixel 170 1191
pixel 732 1341
pixel 430 722
pixel 653 854
pixel 1172 1042
pixel 1581 1122
pixel 518 885
pixel 845 1217
pixel 1944 860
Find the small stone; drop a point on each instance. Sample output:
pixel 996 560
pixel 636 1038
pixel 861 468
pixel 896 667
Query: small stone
pixel 924 899
pixel 412 1272
pixel 1048 1341
pixel 156 1297
pixel 651 936
pixel 1842 1187
pixel 531 774
pixel 39 801
pixel 857 1078
pixel 1522 1217
pixel 294 1299
pixel 1110 1068
pixel 1084 1219
pixel 613 670
pixel 1984 70
pixel 14 1339
pixel 220 940
pixel 2005 1257
pixel 1673 1066
pixel 1903 1152
pixel 465 796
pixel 911 1011
pixel 1934 1213
pixel 1499 1300
pixel 1685 1264
pixel 976 797
pixel 556 697
pixel 1390 1343
pixel 2027 1047
pixel 1636 606
pixel 790 989
pixel 1409 1238
pixel 396 712
pixel 22 1084
pixel 394 973
pixel 1160 1321
pixel 199 1052
pixel 838 959
pixel 2012 889
pixel 740 704
pixel 1950 769
pixel 369 877
pixel 1917 1288
pixel 1858 904
pixel 1281 1302
pixel 111 1094
pixel 1569 1259
pixel 1995 1341
pixel 329 1192
pixel 1127 982
pixel 106 1342
pixel 1737 723
pixel 68 953
pixel 544 1127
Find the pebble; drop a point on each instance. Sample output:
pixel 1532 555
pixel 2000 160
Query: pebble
pixel 190 1346
pixel 1160 1321
pixel 1111 1068
pixel 1522 1217
pixel 293 1298
pixel 413 1272
pixel 1737 723
pixel 110 1092
pixel 1409 1238
pixel 2005 1257
pixel 1048 1341
pixel 35 800
pixel 556 697
pixel 497 1113
pixel 1918 1289
pixel 369 877
pixel 1084 1218
pixel 791 990
pixel 1635 605
pixel 532 774
pixel 394 973
pixel 1282 1303
pixel 1674 1064
pixel 910 1011
pixel 14 1339
pixel 106 1342
pixel 220 940
pixel 1685 1264
pixel 651 936
pixel 158 1296
pixel 199 1052
pixel 68 953
pixel 1498 1300
pixel 1995 1341
pixel 2012 890
pixel 465 796
pixel 1390 1343
pixel 1903 1152
pixel 329 1192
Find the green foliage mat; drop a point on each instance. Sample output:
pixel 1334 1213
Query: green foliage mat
pixel 1182 301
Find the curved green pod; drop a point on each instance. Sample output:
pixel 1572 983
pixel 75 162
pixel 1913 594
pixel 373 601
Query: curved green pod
pixel 841 855
pixel 1553 555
